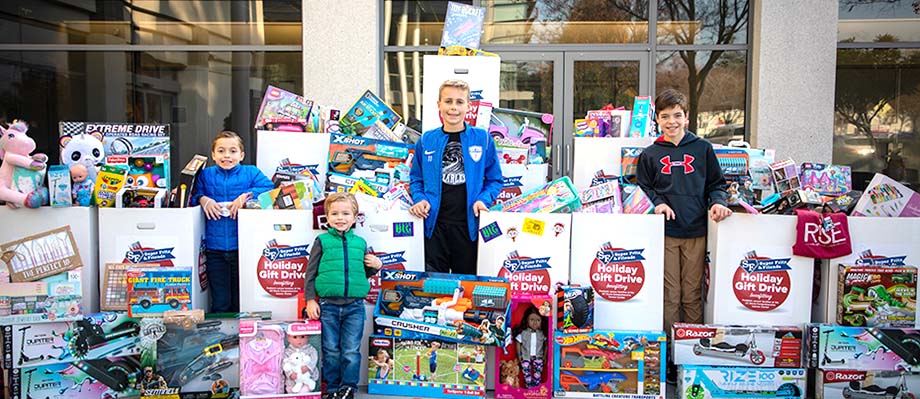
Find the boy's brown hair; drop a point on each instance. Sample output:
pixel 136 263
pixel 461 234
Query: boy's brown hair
pixel 227 134
pixel 455 83
pixel 340 197
pixel 670 98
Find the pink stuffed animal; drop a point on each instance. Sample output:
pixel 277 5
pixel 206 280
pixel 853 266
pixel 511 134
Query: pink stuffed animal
pixel 15 147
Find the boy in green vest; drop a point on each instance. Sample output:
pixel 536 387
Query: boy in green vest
pixel 335 287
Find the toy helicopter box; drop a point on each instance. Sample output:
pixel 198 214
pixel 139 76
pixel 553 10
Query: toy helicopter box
pixel 456 308
pixel 861 348
pixel 854 384
pixel 524 366
pixel 610 364
pixel 94 336
pixel 111 377
pixel 706 345
pixel 876 296
pixel 154 290
pixel 703 382
pixel 142 148
pixel 382 162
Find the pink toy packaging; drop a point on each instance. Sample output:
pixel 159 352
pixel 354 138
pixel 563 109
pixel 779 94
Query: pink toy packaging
pixel 15 147
pixel 280 359
pixel 524 369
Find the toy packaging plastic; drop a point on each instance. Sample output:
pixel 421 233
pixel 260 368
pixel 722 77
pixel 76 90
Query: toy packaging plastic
pixel 861 348
pixel 610 364
pixel 109 181
pixel 407 363
pixel 826 179
pixel 154 290
pixel 886 197
pixel 530 130
pixel 703 345
pixel 187 178
pixel 574 309
pixel 140 197
pixel 280 359
pixel 643 118
pixel 456 308
pixel 703 382
pixel 59 186
pixel 558 196
pixel 876 296
pixel 524 368
pixel 367 111
pixel 41 255
pixel 112 377
pixel 854 384
pixel 282 110
pixel 382 162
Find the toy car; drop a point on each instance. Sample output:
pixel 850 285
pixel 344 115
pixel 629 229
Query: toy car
pixel 591 381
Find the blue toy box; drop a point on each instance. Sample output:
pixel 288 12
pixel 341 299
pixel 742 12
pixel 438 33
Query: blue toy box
pixel 705 382
pixel 610 364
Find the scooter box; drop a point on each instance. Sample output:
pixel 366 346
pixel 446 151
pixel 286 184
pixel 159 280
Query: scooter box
pixel 750 346
pixel 85 379
pixel 704 382
pixel 862 348
pixel 855 384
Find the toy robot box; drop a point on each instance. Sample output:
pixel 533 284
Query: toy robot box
pixel 704 382
pixel 456 308
pixel 609 364
pixel 706 345
pixel 854 384
pixel 280 359
pixel 524 367
pixel 107 377
pixel 876 296
pixel 862 348
pixel 408 363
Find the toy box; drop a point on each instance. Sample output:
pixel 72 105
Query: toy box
pixel 618 264
pixel 154 290
pixel 273 259
pixel 610 364
pixel 112 377
pixel 462 25
pixel 574 309
pixel 284 111
pixel 844 203
pixel 453 307
pixel 37 308
pixel 887 198
pixel 861 348
pixel 876 296
pixel 140 197
pixel 143 149
pixel 643 118
pixel 530 250
pixel 280 359
pixel 407 363
pixel 607 191
pixel 734 163
pixel 855 384
pixel 187 178
pixel 635 201
pixel 366 113
pixel 41 255
pixel 703 382
pixel 59 186
pixel 481 73
pixel 629 162
pixel 826 179
pixel 558 196
pixel 593 154
pixel 382 162
pixel 519 179
pixel 110 180
pixel 785 176
pixel 292 152
pixel 703 345
pixel 532 131
pixel 525 366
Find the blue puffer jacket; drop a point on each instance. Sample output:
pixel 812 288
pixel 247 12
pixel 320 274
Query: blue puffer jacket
pixel 224 186
pixel 480 163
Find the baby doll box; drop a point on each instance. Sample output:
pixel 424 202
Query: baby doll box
pixel 753 274
pixel 876 242
pixel 84 225
pixel 299 149
pixel 273 251
pixel 513 378
pixel 529 249
pixel 270 356
pixel 601 153
pixel 163 236
pixel 623 265
pixel 481 73
pixel 846 384
pixel 704 382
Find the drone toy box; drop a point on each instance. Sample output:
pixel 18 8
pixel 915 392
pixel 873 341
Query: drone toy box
pixel 704 382
pixel 854 384
pixel 112 377
pixel 875 296
pixel 704 345
pixel 154 290
pixel 862 348
pixel 610 364
pixel 574 309
pixel 455 308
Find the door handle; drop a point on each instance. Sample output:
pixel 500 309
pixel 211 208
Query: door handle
pixel 569 156
pixel 559 159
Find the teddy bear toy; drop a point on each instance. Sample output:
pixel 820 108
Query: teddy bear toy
pixel 297 367
pixel 510 373
pixel 15 147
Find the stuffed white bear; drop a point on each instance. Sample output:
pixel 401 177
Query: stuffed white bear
pixel 298 368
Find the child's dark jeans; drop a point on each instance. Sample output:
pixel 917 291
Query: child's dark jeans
pixel 224 280
pixel 343 328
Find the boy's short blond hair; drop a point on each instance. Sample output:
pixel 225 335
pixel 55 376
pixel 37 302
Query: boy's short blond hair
pixel 455 83
pixel 340 197
pixel 227 134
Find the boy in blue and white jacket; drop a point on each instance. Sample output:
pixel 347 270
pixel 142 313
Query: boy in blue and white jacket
pixel 222 190
pixel 455 176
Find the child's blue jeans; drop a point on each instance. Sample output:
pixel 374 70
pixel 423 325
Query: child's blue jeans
pixel 224 280
pixel 343 330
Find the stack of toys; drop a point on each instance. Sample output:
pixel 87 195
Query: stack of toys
pixel 558 196
pixel 619 122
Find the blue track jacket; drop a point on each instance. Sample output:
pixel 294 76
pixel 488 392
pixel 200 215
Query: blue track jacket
pixel 224 186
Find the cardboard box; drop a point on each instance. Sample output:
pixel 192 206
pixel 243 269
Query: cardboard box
pixel 41 255
pixel 423 365
pixel 310 151
pixel 85 379
pixel 861 348
pixel 141 148
pixel 826 179
pixel 154 290
pixel 704 345
pixel 876 296
pixel 519 179
pixel 270 347
pixel 610 364
pixel 699 382
pixel 396 237
pixel 886 197
pixel 514 378
pixel 847 384
pixel 600 153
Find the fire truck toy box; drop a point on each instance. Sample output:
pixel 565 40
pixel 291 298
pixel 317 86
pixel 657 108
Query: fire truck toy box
pixel 94 336
pixel 703 345
pixel 530 250
pixel 610 364
pixel 453 307
pixel 704 382
pixel 107 377
pixel 854 384
pixel 154 290
pixel 877 296
pixel 280 359
pixel 861 348
pixel 524 368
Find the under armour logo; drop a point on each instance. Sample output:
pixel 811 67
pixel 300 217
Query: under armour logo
pixel 687 164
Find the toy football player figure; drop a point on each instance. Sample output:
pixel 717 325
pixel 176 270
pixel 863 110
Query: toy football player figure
pixel 531 342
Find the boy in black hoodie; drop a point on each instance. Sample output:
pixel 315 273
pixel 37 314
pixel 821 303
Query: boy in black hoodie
pixel 681 176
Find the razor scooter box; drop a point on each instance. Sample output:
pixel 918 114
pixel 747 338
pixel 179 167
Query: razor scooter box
pixel 705 345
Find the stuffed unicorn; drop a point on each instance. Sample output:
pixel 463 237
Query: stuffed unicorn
pixel 15 147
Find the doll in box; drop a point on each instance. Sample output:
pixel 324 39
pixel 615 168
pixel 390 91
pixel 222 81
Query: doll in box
pixel 299 364
pixel 531 347
pixel 82 188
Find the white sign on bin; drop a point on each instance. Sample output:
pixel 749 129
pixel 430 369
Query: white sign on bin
pixel 481 73
pixel 310 150
pixel 600 153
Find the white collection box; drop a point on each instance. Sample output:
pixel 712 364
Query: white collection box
pixel 481 73
pixel 531 250
pixel 519 179
pixel 622 258
pixel 876 241
pixel 753 275
pixel 83 222
pixel 310 150
pixel 274 250
pixel 164 236
pixel 600 153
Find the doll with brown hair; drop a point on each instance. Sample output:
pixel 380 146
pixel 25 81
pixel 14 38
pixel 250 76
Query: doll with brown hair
pixel 531 346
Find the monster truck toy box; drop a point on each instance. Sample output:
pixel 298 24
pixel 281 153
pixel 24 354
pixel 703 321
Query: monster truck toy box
pixel 705 382
pixel 855 384
pixel 749 346
pixel 609 364
pixel 861 348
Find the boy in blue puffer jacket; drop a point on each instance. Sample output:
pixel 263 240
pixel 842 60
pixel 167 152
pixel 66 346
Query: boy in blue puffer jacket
pixel 222 190
pixel 455 176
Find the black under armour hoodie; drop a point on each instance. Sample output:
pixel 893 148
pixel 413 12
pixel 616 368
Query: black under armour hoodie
pixel 687 177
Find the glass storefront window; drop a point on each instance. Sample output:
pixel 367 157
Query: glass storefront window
pixel 402 85
pixel 527 86
pixel 703 21
pixel 413 22
pixel 867 21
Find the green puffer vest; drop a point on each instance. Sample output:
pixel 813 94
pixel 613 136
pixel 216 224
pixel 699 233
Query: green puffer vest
pixel 340 275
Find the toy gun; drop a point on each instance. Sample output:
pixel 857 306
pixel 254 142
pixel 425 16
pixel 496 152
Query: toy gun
pixel 207 360
pixel 346 161
pixel 402 297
